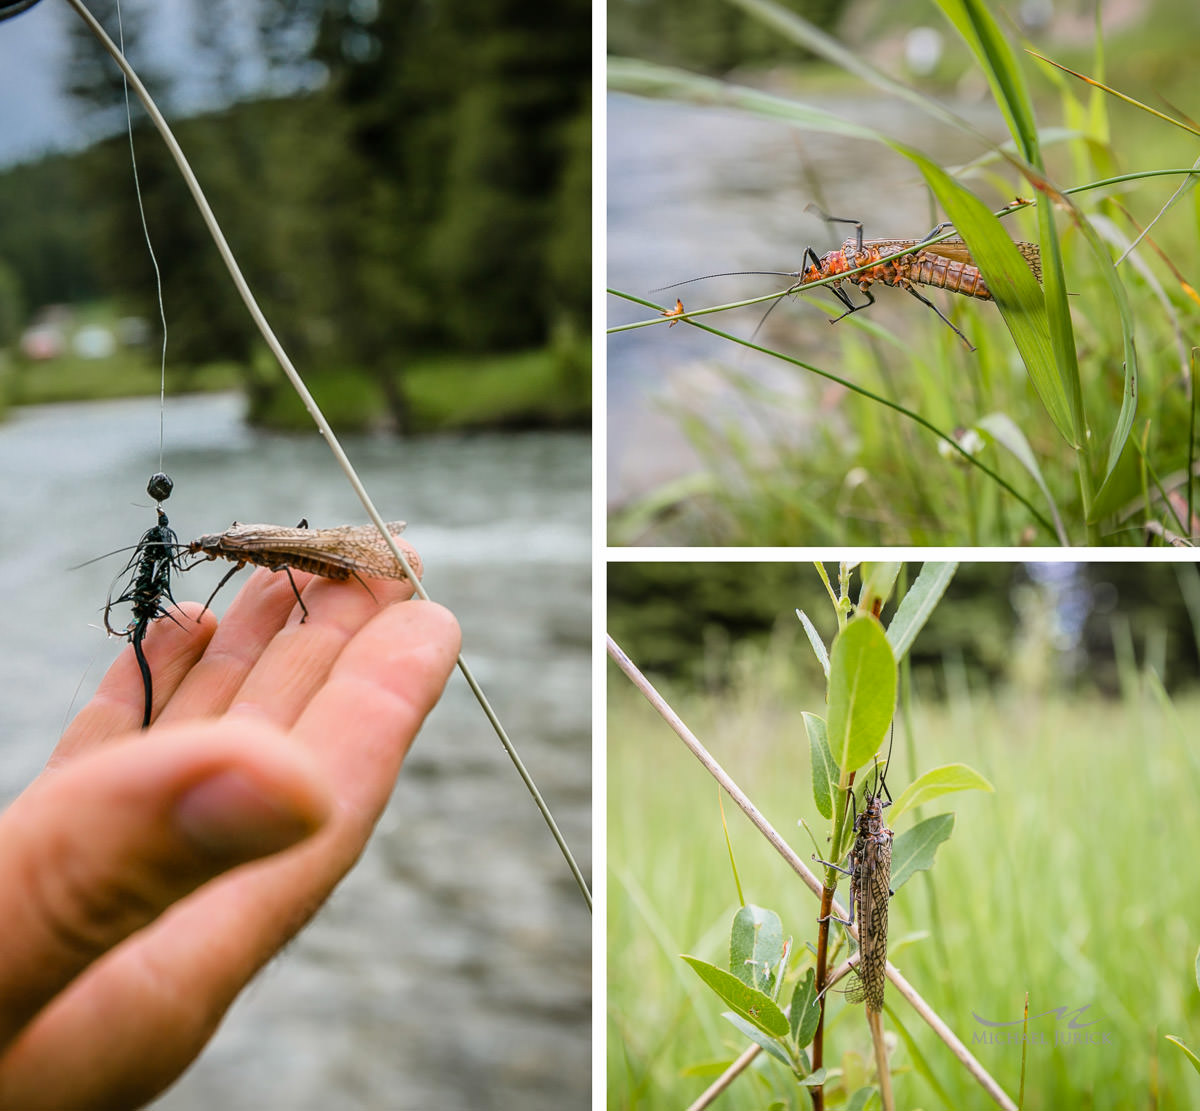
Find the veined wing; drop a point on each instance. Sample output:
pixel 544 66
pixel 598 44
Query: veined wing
pixel 356 549
pixel 872 892
pixel 957 251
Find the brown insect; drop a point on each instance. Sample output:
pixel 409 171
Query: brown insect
pixel 352 551
pixel 676 311
pixel 870 873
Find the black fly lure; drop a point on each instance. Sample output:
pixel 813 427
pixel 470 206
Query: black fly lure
pixel 146 583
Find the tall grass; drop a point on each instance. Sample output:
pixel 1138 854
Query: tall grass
pixel 1030 440
pixel 1076 881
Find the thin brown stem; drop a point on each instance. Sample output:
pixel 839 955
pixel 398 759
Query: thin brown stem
pixel 818 1045
pixel 875 1022
pixel 706 1098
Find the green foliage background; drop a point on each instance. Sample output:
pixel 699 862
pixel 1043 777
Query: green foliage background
pixel 1072 881
pixel 690 621
pixel 431 195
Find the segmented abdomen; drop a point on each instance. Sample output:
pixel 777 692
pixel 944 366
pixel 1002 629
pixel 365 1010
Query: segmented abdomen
pixel 945 273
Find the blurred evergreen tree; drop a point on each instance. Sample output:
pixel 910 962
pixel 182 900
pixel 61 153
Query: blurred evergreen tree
pixel 12 305
pixel 425 183
pixel 45 230
pixel 206 320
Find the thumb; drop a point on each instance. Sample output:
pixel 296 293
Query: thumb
pixel 94 851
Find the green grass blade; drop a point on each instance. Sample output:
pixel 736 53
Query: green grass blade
pixel 950 441
pixel 1015 289
pixel 1102 504
pixel 1005 432
pixel 812 38
pixel 1190 128
pixel 1007 80
pixel 919 1061
pixel 1054 372
pixel 628 75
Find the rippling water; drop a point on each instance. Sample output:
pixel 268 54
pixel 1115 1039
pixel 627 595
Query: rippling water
pixel 452 968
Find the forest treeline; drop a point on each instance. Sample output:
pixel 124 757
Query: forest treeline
pixel 1064 627
pixel 429 192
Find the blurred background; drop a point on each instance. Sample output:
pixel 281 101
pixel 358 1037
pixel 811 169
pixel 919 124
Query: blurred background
pixel 407 188
pixel 713 444
pixel 1071 687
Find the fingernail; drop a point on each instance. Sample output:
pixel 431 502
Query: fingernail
pixel 230 815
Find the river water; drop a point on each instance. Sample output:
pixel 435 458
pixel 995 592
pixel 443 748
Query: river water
pixel 452 968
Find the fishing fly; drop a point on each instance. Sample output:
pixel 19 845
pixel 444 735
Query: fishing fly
pixel 870 872
pixel 352 551
pixel 146 584
pixel 947 264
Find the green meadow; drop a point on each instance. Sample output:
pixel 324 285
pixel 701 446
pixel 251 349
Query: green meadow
pixel 1075 881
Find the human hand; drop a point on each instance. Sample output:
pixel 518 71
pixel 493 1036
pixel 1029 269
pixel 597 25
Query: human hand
pixel 145 877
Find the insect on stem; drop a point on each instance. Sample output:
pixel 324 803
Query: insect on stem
pixel 870 870
pixel 901 263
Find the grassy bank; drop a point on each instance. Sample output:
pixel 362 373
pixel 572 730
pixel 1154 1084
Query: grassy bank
pixel 543 388
pixel 527 389
pixel 1074 881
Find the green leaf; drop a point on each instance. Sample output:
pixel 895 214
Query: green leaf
pixel 1016 292
pixel 805 1011
pixel 917 605
pixel 765 1041
pixel 862 692
pixel 1198 968
pixel 824 769
pixel 814 638
pixel 756 947
pixel 755 1007
pixel 1190 1055
pixel 1001 428
pixel 914 849
pixel 938 781
pixel 999 64
pixel 877 582
pixel 814 1079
